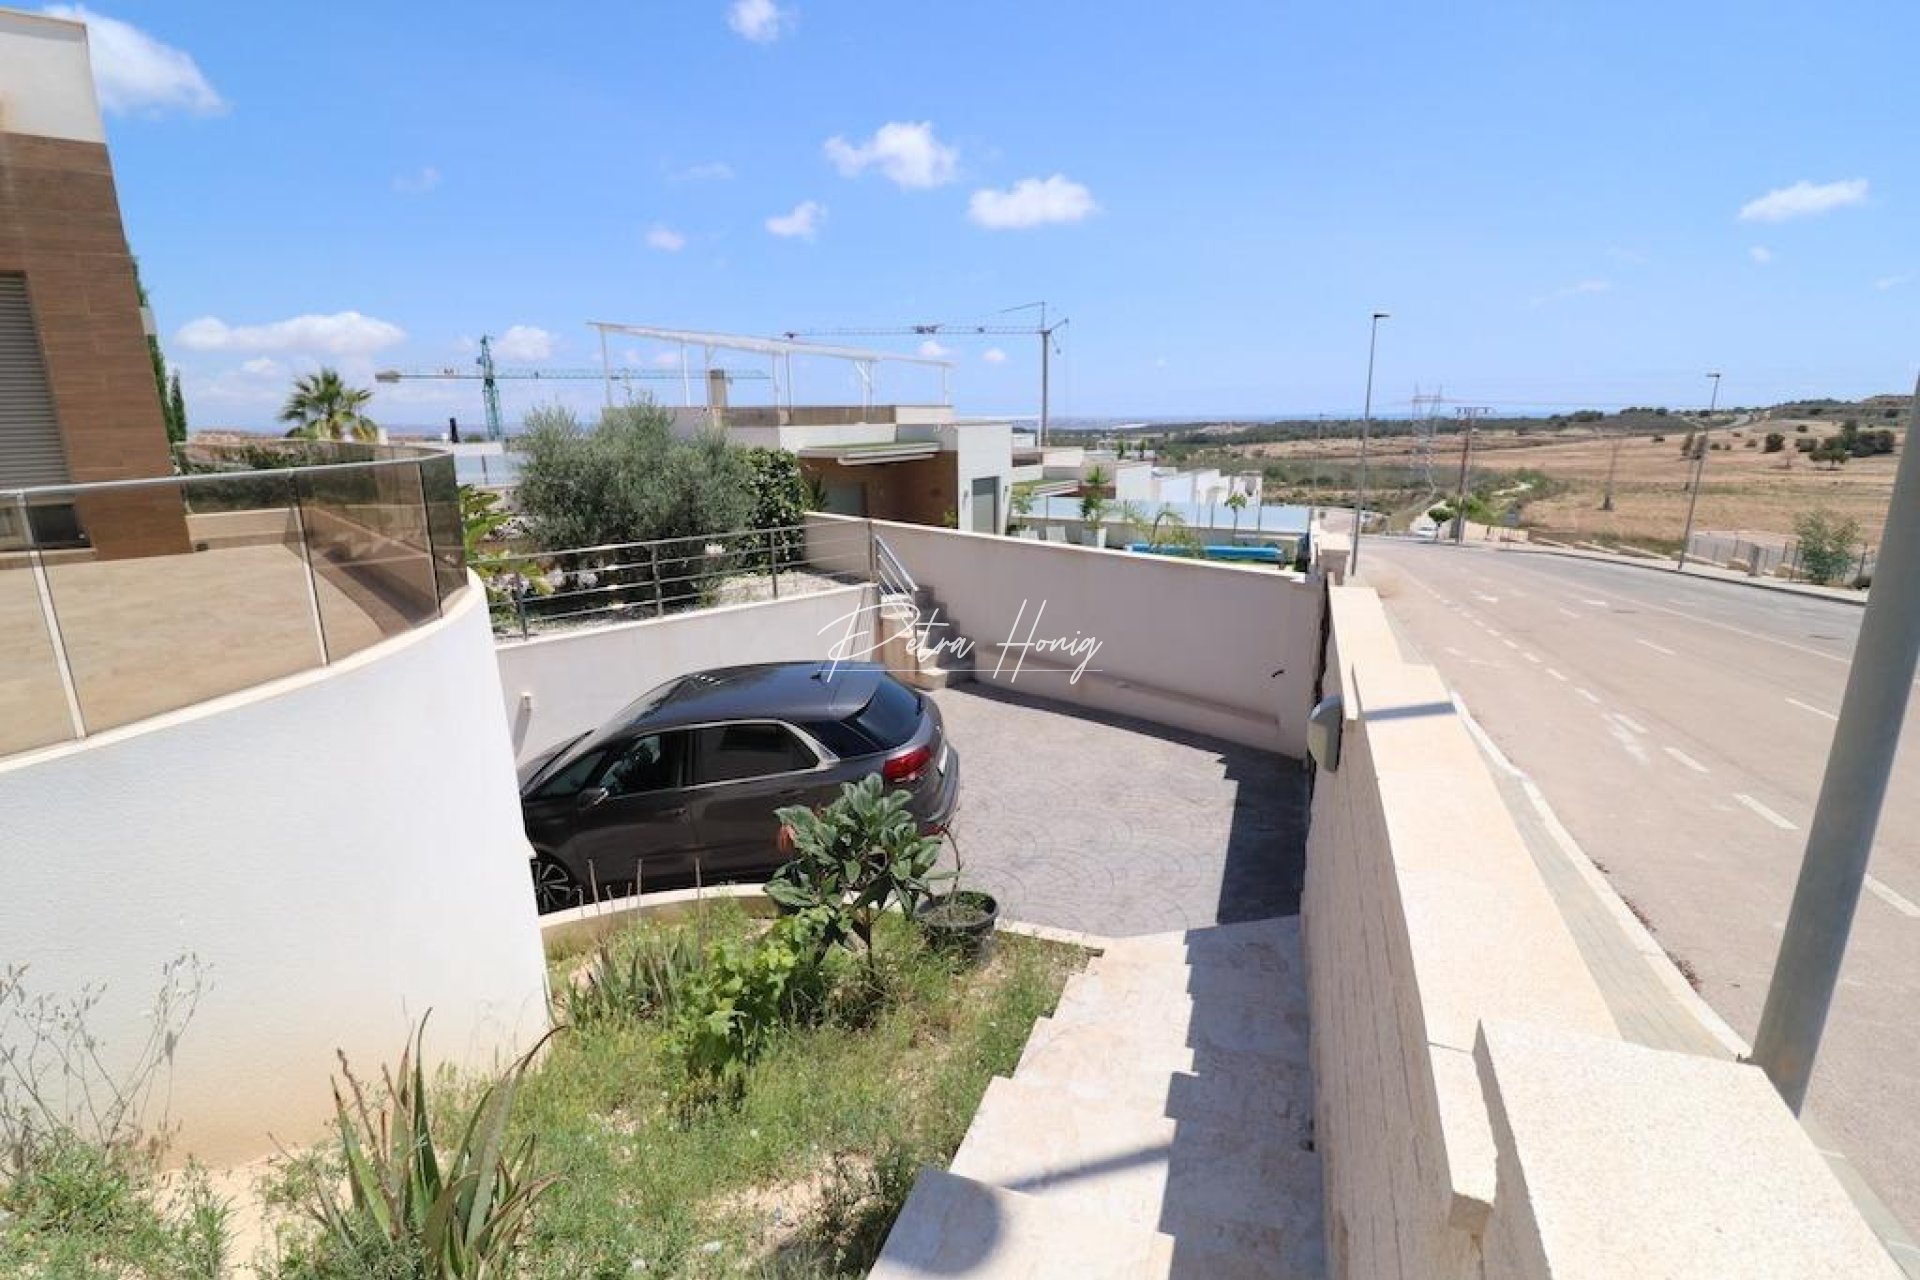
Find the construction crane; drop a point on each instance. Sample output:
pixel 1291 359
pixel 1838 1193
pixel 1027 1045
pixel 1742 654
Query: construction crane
pixel 490 375
pixel 1043 331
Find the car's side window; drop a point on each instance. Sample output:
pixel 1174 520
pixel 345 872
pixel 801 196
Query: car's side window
pixel 646 764
pixel 728 753
pixel 575 776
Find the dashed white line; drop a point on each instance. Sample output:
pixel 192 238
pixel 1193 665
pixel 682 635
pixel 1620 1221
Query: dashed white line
pixel 1806 706
pixel 1659 648
pixel 1556 675
pixel 1588 696
pixel 1530 656
pixel 1903 905
pixel 1686 759
pixel 1764 812
pixel 1509 643
pixel 1632 724
pixel 1598 604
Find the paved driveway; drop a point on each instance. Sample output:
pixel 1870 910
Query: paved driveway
pixel 1116 826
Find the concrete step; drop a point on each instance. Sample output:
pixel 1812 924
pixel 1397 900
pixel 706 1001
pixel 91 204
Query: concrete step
pixel 1173 1017
pixel 1237 1195
pixel 955 1226
pixel 1117 1066
pixel 1260 945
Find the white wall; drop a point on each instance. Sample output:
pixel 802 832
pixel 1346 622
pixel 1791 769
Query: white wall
pixel 46 80
pixel 1184 643
pixel 560 685
pixel 980 451
pixel 342 847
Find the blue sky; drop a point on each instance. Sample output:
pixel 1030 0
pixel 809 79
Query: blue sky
pixel 1558 203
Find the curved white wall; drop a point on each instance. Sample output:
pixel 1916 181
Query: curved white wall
pixel 342 847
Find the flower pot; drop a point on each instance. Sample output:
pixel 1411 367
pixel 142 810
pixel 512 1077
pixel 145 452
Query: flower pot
pixel 961 923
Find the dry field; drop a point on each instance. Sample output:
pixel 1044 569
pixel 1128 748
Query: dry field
pixel 1745 489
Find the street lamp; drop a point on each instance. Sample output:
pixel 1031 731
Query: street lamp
pixel 1366 427
pixel 1699 470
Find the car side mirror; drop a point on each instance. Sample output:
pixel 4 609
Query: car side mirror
pixel 590 796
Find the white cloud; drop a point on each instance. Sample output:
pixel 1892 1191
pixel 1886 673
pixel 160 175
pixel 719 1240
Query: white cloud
pixel 908 154
pixel 1031 202
pixel 523 342
pixel 760 21
pixel 1804 200
pixel 1891 282
pixel 342 333
pixel 994 355
pixel 264 367
pixel 934 351
pixel 134 72
pixel 417 184
pixel 665 239
pixel 1760 254
pixel 803 222
pixel 711 171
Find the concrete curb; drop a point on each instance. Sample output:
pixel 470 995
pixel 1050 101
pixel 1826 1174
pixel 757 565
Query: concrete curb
pixel 1857 600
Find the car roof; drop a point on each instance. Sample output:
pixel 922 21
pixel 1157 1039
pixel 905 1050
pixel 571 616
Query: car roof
pixel 792 691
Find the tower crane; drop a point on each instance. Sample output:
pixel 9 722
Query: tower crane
pixel 490 375
pixel 1042 330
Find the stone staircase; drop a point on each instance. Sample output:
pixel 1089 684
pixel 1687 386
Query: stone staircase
pixel 1158 1124
pixel 920 613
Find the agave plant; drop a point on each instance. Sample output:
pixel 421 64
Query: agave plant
pixel 457 1216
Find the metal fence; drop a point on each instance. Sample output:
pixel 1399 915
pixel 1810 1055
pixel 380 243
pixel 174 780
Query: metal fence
pixel 534 592
pixel 125 599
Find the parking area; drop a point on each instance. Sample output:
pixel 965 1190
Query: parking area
pixel 1116 826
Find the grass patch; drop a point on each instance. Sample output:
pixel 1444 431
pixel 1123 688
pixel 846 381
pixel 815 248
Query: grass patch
pixel 803 1169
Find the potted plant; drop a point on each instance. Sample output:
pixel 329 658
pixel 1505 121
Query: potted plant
pixel 1093 511
pixel 1021 501
pixel 960 921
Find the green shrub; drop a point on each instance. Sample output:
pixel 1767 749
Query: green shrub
pixel 635 974
pixel 730 1007
pixel 411 1210
pixel 852 858
pixel 1827 543
pixel 1775 442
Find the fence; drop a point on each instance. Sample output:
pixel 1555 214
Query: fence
pixel 126 599
pixel 539 592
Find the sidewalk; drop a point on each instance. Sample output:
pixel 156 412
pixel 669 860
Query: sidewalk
pixel 1695 569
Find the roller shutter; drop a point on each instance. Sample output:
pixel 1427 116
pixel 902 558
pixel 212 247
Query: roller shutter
pixel 30 448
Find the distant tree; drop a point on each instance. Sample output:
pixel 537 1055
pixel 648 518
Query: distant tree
pixel 1801 427
pixel 1236 503
pixel 1827 543
pixel 176 410
pixel 1775 442
pixel 322 407
pixel 173 411
pixel 626 479
pixel 1833 451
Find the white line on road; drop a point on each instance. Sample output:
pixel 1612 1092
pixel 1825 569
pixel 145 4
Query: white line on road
pixel 1598 604
pixel 1904 906
pixel 1659 648
pixel 1571 613
pixel 1456 652
pixel 1686 759
pixel 1530 656
pixel 1634 725
pixel 1589 697
pixel 1510 644
pixel 1764 812
pixel 1809 707
pixel 1488 599
pixel 1556 675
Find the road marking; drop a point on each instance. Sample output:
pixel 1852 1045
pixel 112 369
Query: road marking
pixel 1571 613
pixel 1510 644
pixel 1628 743
pixel 1879 890
pixel 1659 648
pixel 1456 652
pixel 1634 725
pixel 1556 675
pixel 1488 599
pixel 1686 759
pixel 1809 707
pixel 1589 697
pixel 1490 631
pixel 1530 656
pixel 1598 604
pixel 1764 812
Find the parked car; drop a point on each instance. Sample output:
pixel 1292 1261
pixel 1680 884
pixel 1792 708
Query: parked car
pixel 682 785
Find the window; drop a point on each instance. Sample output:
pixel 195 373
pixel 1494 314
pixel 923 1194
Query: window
pixel 731 752
pixel 573 777
pixel 646 764
pixel 891 716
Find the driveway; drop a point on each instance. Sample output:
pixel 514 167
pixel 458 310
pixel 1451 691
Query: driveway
pixel 1115 826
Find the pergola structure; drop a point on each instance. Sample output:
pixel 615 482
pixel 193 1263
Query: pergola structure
pixel 779 352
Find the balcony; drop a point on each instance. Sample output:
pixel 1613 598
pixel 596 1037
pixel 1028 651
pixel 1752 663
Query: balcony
pixel 128 599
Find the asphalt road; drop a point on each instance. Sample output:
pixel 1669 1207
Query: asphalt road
pixel 1680 729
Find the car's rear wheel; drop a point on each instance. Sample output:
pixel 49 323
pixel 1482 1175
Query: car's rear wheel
pixel 554 888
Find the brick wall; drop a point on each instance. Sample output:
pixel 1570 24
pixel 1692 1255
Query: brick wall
pixel 60 226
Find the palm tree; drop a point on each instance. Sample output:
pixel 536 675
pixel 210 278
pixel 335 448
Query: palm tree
pixel 1236 502
pixel 322 407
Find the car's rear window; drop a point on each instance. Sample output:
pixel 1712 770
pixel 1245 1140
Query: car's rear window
pixel 891 716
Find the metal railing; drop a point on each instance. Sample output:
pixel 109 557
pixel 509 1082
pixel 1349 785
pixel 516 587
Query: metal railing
pixel 125 599
pixel 890 572
pixel 535 592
